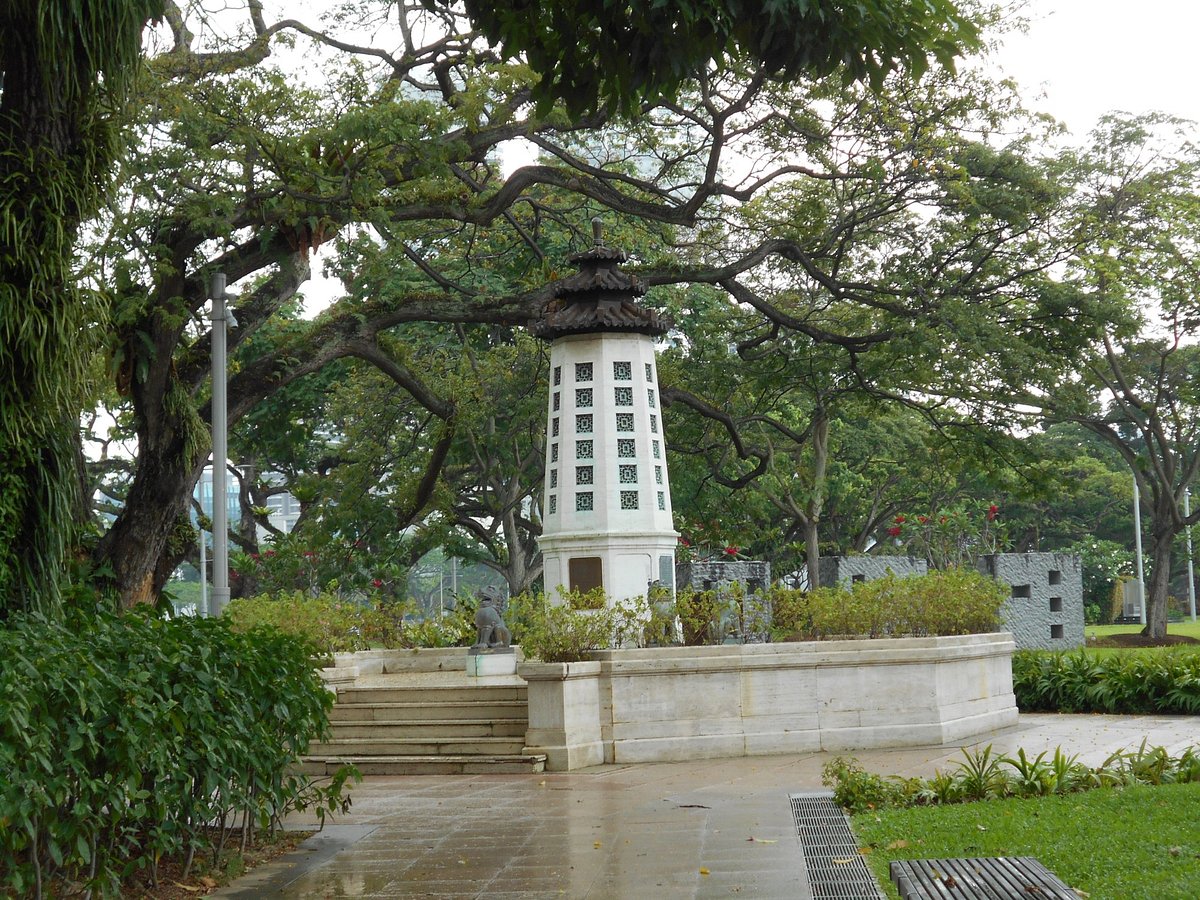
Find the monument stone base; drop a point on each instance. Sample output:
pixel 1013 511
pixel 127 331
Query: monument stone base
pixel 484 661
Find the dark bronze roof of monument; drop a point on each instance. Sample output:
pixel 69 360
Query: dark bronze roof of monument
pixel 600 297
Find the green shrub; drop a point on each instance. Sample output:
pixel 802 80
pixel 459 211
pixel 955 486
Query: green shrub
pixel 566 632
pixel 703 615
pixel 127 738
pixel 1165 681
pixel 334 625
pixel 983 775
pixel 329 623
pixel 791 618
pixel 945 602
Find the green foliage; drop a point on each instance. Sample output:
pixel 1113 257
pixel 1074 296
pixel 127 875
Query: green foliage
pixel 952 537
pixel 56 146
pixel 1103 563
pixel 327 623
pixel 332 624
pixel 123 739
pixel 617 55
pixel 567 632
pixel 1137 843
pixel 702 614
pixel 983 774
pixel 1161 681
pixel 947 602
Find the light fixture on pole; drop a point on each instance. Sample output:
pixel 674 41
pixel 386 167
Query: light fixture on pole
pixel 220 511
pixel 1137 543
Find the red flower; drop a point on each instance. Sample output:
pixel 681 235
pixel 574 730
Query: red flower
pixel 900 520
pixel 895 530
pixel 922 519
pixel 991 513
pixel 732 551
pixel 376 583
pixel 269 553
pixel 685 542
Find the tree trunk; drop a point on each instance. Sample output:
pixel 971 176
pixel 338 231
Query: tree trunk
pixel 816 501
pixel 139 547
pixel 1160 580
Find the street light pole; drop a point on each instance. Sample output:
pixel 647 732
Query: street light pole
pixel 220 510
pixel 1187 511
pixel 1137 542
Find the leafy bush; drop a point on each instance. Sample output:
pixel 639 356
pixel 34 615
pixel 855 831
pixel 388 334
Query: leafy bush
pixel 334 625
pixel 127 738
pixel 984 775
pixel 1165 681
pixel 945 602
pixel 703 615
pixel 329 623
pixel 567 632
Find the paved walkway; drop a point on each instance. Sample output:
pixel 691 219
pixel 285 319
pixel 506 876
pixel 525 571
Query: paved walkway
pixel 709 828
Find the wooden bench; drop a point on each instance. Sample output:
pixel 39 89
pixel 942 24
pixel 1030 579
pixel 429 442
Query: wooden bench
pixel 995 878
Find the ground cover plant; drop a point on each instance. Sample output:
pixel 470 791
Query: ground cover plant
pixel 1152 854
pixel 1050 806
pixel 128 739
pixel 1144 681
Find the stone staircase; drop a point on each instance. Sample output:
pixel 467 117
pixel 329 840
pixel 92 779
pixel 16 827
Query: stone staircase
pixel 427 723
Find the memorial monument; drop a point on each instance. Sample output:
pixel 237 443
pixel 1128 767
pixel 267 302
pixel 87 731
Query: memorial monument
pixel 607 511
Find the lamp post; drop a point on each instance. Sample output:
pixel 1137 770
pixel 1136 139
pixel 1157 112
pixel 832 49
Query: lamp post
pixel 220 510
pixel 1137 542
pixel 1187 511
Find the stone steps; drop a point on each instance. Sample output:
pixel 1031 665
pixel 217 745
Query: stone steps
pixel 417 711
pixel 427 724
pixel 385 730
pixel 445 694
pixel 515 764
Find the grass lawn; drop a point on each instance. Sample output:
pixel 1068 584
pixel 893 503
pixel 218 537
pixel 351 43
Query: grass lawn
pixel 1187 628
pixel 1134 843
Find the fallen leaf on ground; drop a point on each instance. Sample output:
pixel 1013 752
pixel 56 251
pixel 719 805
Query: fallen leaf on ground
pixel 703 870
pixel 187 887
pixel 897 845
pixel 596 845
pixel 208 882
pixel 841 861
pixel 761 840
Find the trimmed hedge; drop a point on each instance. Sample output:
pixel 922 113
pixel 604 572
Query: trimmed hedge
pixel 1081 682
pixel 946 602
pixel 124 739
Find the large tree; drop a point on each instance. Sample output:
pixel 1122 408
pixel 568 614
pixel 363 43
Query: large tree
pixel 1133 235
pixel 64 72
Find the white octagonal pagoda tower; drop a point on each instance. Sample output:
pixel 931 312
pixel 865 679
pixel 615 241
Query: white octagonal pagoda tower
pixel 607 502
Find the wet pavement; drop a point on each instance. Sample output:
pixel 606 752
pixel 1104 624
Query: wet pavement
pixel 705 828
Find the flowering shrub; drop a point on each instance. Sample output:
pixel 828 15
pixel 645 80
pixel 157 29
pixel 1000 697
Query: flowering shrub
pixel 955 536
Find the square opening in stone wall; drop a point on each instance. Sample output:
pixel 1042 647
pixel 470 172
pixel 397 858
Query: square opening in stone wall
pixel 1021 592
pixel 860 578
pixel 1054 576
pixel 1056 604
pixel 1056 632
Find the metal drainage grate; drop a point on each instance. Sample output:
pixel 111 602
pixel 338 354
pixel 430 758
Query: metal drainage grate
pixel 836 870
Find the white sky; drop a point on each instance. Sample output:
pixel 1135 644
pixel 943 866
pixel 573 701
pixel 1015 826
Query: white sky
pixel 1094 56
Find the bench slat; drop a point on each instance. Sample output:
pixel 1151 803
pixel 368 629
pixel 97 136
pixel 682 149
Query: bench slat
pixel 983 878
